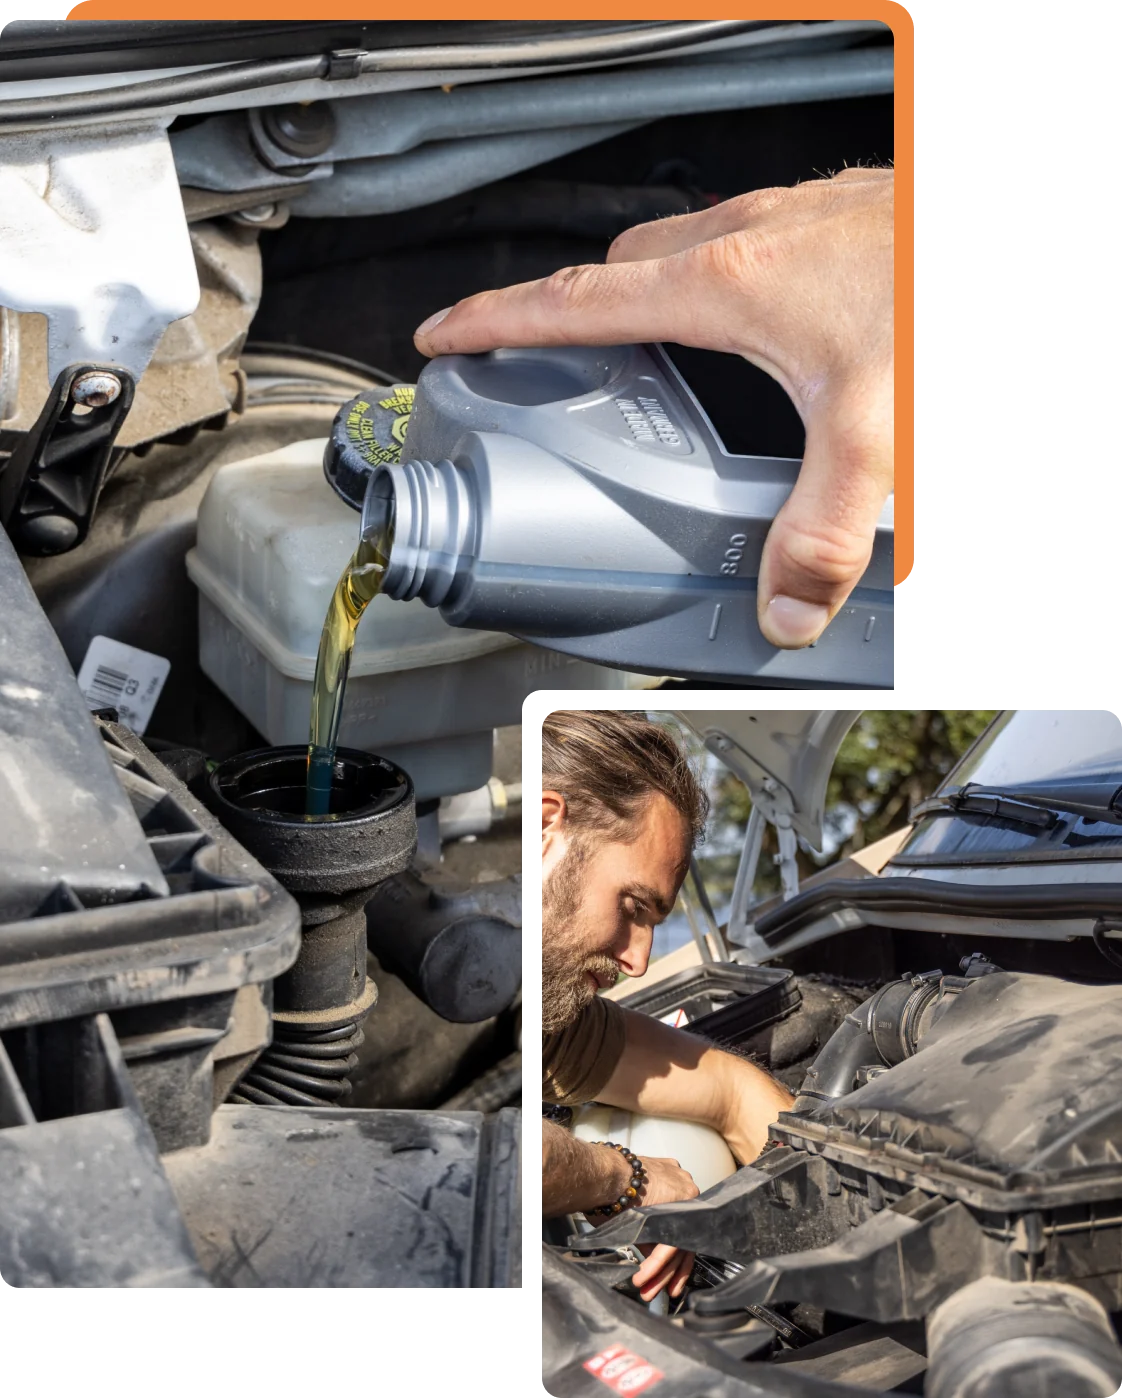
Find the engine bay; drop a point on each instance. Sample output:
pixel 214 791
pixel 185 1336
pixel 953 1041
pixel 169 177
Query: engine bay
pixel 946 1184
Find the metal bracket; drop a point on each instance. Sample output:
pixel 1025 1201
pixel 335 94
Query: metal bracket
pixel 93 235
pixel 50 485
pixel 772 804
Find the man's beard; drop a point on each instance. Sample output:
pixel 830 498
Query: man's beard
pixel 568 947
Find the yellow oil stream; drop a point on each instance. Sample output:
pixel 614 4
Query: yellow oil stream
pixel 360 583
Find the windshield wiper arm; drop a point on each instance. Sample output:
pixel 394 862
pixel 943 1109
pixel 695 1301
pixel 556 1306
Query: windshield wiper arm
pixel 1024 806
pixel 983 801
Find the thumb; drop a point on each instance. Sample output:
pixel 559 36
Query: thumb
pixel 821 540
pixel 627 303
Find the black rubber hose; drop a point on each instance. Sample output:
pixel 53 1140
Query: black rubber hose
pixel 834 1072
pixel 233 78
pixel 302 1068
pixel 161 92
pixel 900 894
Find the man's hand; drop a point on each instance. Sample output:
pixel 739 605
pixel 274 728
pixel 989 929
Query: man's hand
pixel 667 1182
pixel 665 1266
pixel 578 1176
pixel 799 282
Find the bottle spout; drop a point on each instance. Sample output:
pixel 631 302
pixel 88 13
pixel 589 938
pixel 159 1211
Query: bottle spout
pixel 426 513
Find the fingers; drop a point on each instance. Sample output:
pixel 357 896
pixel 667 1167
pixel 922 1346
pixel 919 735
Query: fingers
pixel 665 236
pixel 682 1274
pixel 660 1268
pixel 820 541
pixel 591 305
pixel 665 1266
pixel 853 173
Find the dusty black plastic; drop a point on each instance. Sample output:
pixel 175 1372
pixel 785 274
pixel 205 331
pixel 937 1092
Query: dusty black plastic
pixel 582 1318
pixel 85 1200
pixel 223 922
pixel 458 948
pixel 68 833
pixel 336 1198
pixel 993 1151
pixel 369 834
pixel 117 1170
pixel 724 1002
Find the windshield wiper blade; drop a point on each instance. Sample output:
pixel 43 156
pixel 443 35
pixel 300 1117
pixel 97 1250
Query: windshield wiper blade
pixel 1023 805
pixel 983 801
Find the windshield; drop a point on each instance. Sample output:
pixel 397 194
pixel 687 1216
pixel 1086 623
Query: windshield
pixel 1041 747
pixel 1058 756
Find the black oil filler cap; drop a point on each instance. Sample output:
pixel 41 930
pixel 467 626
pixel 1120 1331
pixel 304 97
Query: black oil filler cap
pixel 368 432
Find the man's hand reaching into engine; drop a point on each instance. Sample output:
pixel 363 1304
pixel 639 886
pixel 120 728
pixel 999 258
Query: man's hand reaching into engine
pixel 580 1175
pixel 798 281
pixel 661 1072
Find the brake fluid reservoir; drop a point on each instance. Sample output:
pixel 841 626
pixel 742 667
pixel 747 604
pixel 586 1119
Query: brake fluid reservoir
pixel 272 541
pixel 582 499
pixel 698 1149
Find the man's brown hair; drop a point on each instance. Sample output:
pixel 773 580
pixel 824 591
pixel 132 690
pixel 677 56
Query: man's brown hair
pixel 608 765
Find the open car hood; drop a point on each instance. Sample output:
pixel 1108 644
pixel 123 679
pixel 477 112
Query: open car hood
pixel 795 749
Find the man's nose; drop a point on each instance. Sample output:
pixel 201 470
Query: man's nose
pixel 637 953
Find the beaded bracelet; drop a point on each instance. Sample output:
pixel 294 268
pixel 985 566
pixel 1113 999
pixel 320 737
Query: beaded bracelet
pixel 630 1196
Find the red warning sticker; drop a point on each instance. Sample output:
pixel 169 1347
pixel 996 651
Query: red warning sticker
pixel 622 1371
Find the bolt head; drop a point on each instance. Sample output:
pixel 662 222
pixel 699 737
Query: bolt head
pixel 260 213
pixel 95 389
pixel 49 534
pixel 300 129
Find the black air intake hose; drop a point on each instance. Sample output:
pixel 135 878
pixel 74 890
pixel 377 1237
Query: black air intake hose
pixel 834 1071
pixel 883 1031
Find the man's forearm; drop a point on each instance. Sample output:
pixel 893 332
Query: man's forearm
pixel 576 1175
pixel 748 1101
pixel 667 1072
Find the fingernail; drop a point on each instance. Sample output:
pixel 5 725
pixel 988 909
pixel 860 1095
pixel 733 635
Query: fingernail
pixel 791 624
pixel 432 322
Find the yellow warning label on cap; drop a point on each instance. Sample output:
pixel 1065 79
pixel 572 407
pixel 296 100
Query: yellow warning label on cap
pixel 378 431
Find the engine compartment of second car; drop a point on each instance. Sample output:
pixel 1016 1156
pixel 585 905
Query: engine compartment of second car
pixel 953 1153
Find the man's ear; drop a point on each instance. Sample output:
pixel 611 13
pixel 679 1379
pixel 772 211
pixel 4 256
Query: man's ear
pixel 554 811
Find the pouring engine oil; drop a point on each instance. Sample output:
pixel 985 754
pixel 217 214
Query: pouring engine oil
pixel 356 589
pixel 376 431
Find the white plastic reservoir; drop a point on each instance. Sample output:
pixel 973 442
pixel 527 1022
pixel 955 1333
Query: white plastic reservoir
pixel 272 540
pixel 698 1149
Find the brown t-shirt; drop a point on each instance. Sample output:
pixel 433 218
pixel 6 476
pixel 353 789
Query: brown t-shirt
pixel 577 1061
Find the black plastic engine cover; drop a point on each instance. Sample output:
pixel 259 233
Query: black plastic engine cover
pixel 1012 1098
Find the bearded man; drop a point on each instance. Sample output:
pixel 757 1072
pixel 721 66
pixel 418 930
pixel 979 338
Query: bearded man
pixel 621 812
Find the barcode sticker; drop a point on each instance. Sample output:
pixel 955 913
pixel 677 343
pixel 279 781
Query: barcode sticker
pixel 121 677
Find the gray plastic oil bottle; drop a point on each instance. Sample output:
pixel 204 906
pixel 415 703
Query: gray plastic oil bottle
pixel 580 498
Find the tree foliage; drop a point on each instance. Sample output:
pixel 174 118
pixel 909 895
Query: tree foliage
pixel 890 760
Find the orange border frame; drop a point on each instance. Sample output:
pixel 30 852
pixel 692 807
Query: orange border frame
pixel 894 15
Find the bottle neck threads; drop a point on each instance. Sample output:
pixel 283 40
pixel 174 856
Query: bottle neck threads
pixel 433 514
